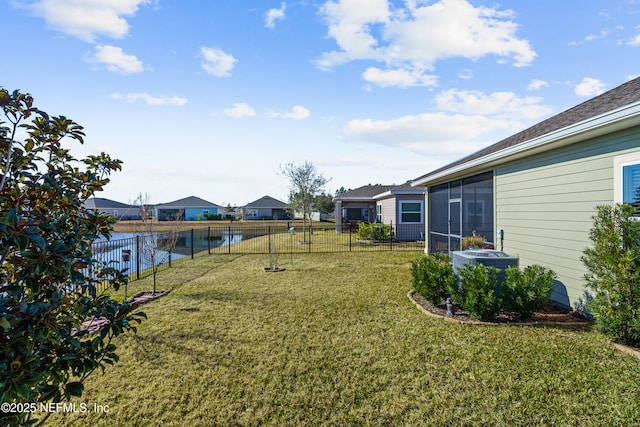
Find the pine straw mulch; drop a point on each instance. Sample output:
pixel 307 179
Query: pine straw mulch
pixel 554 315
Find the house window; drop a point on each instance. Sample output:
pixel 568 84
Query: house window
pixel 627 179
pixel 411 212
pixel 379 213
pixel 631 184
pixel 252 213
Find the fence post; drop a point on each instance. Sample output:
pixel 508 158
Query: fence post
pixel 350 237
pixel 138 257
pixel 269 238
pixel 391 236
pixel 209 240
pixel 229 245
pixel 192 243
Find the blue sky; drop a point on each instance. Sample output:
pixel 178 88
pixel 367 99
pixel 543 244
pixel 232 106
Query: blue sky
pixel 210 98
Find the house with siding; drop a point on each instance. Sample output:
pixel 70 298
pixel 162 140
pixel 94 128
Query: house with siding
pixel 265 208
pixel 401 206
pixel 534 193
pixel 190 208
pixel 121 211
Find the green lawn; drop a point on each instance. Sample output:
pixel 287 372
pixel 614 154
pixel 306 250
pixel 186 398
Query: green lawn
pixel 334 340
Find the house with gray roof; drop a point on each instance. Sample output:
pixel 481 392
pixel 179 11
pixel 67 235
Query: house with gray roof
pixel 121 211
pixel 265 208
pixel 534 193
pixel 190 208
pixel 401 206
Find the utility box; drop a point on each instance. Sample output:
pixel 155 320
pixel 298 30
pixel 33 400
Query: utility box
pixel 486 257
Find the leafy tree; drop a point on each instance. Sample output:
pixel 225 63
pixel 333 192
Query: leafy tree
pixel 324 204
pixel 48 274
pixel 305 184
pixel 341 190
pixel 613 272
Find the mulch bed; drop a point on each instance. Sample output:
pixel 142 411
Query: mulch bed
pixel 94 324
pixel 553 316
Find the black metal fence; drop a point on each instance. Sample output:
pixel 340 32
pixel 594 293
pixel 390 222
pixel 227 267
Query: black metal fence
pixel 141 252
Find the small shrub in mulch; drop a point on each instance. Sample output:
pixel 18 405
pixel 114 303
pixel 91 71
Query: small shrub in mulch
pixel 553 315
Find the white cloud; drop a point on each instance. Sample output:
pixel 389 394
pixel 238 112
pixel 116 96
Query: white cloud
pixel 274 15
pixel 465 121
pixel 506 105
pixel 416 37
pixel 465 74
pixel 116 60
pixel 87 19
pixel 217 62
pixel 603 33
pixel 634 41
pixel 150 99
pixel 398 77
pixel 536 84
pixel 426 133
pixel 297 113
pixel 239 110
pixel 589 87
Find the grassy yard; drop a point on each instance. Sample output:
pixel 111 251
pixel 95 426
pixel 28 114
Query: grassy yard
pixel 334 340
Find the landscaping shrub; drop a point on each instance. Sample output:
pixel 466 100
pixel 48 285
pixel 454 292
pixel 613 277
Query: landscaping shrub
pixel 368 231
pixel 477 291
pixel 613 272
pixel 525 291
pixel 433 277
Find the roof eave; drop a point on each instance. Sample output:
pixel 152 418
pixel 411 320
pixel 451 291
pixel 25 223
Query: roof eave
pixel 612 121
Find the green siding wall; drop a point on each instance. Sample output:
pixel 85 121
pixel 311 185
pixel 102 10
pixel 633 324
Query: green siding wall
pixel 544 204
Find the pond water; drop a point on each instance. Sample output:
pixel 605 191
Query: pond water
pixel 122 247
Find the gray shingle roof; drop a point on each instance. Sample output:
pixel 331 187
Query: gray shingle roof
pixel 102 203
pixel 266 202
pixel 620 96
pixel 189 202
pixel 370 191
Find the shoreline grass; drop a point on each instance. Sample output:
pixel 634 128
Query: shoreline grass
pixel 334 340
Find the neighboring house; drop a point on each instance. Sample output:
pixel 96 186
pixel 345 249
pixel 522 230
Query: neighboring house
pixel 401 206
pixel 265 208
pixel 190 208
pixel 121 211
pixel 534 193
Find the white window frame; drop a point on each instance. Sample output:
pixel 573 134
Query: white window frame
pixel 620 162
pixel 400 210
pixel 379 213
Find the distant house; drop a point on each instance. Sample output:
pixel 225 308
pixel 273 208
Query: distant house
pixel 121 211
pixel 534 193
pixel 265 208
pixel 190 208
pixel 401 206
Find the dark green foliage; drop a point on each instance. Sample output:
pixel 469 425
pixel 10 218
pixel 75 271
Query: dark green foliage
pixel 613 273
pixel 47 270
pixel 477 293
pixel 214 217
pixel 369 231
pixel 433 277
pixel 528 290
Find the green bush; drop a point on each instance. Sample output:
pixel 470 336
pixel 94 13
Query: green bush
pixel 214 217
pixel 477 291
pixel 525 291
pixel 433 277
pixel 613 273
pixel 368 231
